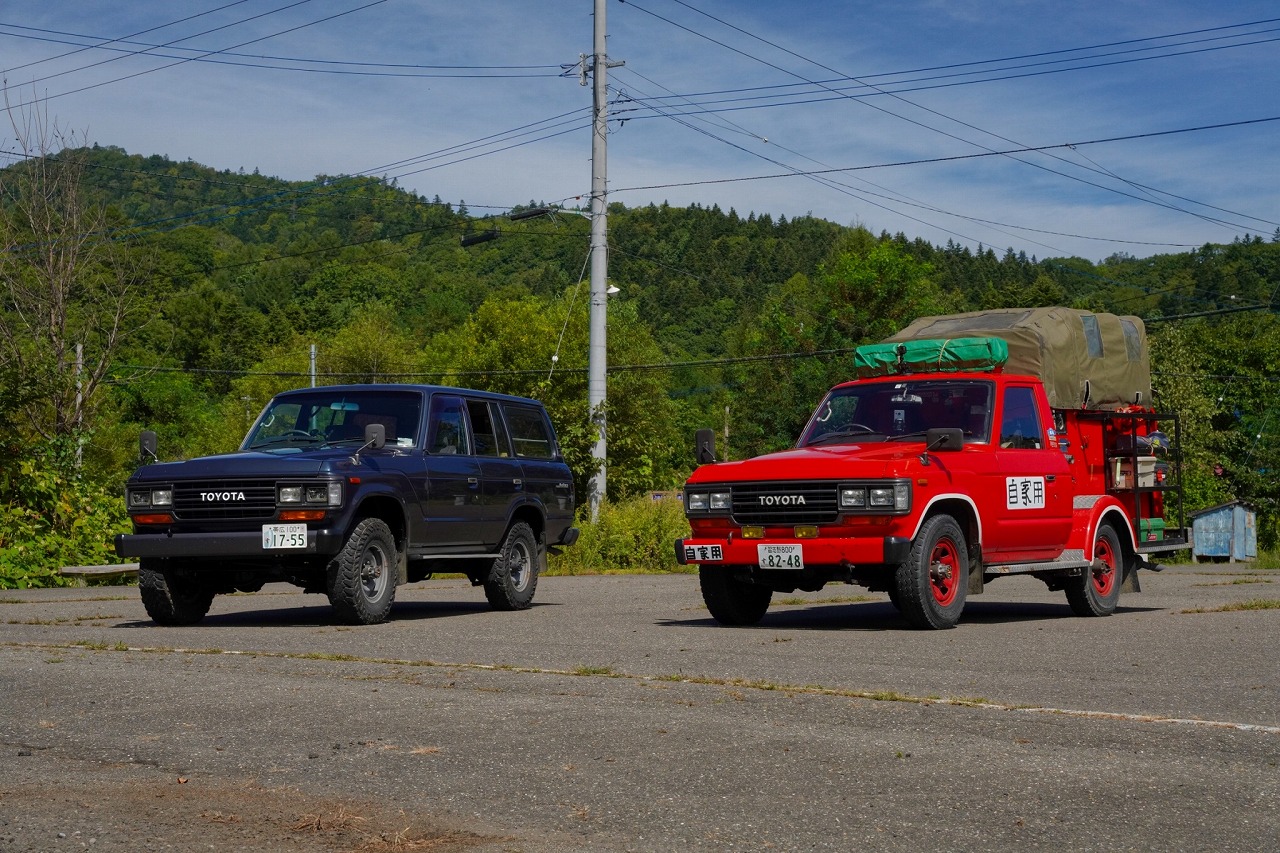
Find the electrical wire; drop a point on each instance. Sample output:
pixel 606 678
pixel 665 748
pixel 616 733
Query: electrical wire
pixel 105 42
pixel 205 54
pixel 895 96
pixel 891 197
pixel 956 157
pixel 296 64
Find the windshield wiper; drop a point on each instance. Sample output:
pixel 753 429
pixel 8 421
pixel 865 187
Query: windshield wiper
pixel 920 433
pixel 287 437
pixel 846 433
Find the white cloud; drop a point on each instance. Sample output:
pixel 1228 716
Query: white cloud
pixel 297 125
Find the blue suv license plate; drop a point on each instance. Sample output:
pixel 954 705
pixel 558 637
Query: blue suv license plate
pixel 282 536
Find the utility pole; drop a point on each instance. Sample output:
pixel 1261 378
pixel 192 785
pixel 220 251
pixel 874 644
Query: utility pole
pixel 79 413
pixel 597 354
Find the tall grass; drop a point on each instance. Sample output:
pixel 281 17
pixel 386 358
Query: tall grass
pixel 635 535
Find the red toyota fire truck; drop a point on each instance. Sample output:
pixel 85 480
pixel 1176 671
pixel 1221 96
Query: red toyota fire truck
pixel 969 447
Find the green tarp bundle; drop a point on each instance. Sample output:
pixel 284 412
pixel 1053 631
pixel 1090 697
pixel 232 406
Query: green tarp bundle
pixel 1086 360
pixel 948 354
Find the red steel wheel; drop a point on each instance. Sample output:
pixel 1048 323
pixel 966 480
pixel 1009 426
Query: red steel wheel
pixel 1096 591
pixel 932 583
pixel 944 571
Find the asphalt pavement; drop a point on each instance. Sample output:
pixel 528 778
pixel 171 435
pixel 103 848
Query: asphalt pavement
pixel 615 715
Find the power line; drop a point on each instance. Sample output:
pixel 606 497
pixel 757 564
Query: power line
pixel 104 42
pixel 232 58
pixel 837 88
pixel 954 157
pixel 897 97
pixel 101 62
pixel 827 182
pixel 326 187
pixel 727 361
pixel 202 55
pixel 862 195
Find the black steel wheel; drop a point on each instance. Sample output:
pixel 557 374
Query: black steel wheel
pixel 362 577
pixel 513 579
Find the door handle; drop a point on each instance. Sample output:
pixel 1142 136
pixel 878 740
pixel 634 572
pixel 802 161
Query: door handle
pixel 473 482
pixel 1051 477
pixel 517 482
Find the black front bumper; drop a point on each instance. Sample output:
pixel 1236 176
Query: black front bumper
pixel 240 543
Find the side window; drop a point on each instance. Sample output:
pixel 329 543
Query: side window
pixel 1092 336
pixel 1132 340
pixel 1020 423
pixel 447 426
pixel 486 429
pixel 530 432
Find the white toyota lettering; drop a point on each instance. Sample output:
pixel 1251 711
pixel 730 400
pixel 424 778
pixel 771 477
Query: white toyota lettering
pixel 222 496
pixel 782 500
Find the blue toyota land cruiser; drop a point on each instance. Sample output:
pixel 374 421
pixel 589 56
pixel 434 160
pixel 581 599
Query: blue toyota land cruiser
pixel 351 490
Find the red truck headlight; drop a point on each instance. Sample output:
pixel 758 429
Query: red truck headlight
pixel 708 501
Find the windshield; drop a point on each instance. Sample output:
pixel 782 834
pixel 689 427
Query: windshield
pixel 893 411
pixel 335 417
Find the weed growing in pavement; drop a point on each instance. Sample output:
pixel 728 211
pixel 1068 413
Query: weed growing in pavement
pixel 831 599
pixel 1251 604
pixel 594 670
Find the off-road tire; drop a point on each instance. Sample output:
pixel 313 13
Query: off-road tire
pixel 361 579
pixel 731 601
pixel 933 581
pixel 513 578
pixel 892 592
pixel 170 596
pixel 1096 592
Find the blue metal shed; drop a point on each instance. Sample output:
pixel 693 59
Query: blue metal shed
pixel 1227 531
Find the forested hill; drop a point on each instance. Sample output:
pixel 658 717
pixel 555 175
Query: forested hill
pixel 723 318
pixel 679 265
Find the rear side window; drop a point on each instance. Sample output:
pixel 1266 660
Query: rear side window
pixel 531 434
pixel 486 429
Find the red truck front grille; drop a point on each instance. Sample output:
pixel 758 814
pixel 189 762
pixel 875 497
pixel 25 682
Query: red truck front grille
pixel 805 502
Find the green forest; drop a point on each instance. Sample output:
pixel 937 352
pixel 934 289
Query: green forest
pixel 144 293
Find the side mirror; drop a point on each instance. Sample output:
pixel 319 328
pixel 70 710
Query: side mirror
pixel 705 439
pixel 944 438
pixel 941 438
pixel 147 445
pixel 375 436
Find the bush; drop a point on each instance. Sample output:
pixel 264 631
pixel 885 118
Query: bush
pixel 1267 559
pixel 51 517
pixel 635 535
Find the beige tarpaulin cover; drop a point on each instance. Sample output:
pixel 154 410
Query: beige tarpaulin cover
pixel 1086 360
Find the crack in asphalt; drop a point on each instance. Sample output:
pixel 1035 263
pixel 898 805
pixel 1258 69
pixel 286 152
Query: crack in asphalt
pixel 742 683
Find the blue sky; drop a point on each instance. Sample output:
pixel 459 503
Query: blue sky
pixel 905 110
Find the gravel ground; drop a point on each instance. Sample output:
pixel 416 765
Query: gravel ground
pixel 615 715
